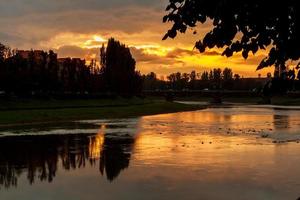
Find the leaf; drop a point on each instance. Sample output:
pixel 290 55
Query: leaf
pixel 200 46
pixel 165 18
pixel 172 33
pixel 165 37
pixel 245 54
pixel 228 52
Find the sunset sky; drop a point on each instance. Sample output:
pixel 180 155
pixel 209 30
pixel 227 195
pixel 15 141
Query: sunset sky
pixel 76 28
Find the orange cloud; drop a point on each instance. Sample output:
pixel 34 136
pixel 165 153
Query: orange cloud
pixel 77 30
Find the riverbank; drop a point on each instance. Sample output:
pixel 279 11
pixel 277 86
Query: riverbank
pixel 277 100
pixel 221 147
pixel 14 113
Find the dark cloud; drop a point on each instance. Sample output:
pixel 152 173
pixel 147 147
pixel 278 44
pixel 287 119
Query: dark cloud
pixel 140 56
pixel 212 53
pixel 17 8
pixel 143 58
pixel 5 38
pixel 71 51
pixel 78 52
pixel 35 22
pixel 46 24
pixel 177 53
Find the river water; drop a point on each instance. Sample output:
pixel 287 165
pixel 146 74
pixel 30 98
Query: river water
pixel 229 152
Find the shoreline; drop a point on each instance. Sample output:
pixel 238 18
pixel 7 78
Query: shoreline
pixel 275 101
pixel 37 112
pixel 23 117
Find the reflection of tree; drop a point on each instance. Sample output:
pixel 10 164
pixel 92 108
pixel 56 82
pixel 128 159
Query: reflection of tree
pixel 115 155
pixel 39 156
pixel 281 121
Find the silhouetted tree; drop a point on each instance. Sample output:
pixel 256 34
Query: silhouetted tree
pixel 227 78
pixel 118 69
pixel 185 79
pixel 51 72
pixel 2 67
pixel 211 75
pixel 150 81
pixel 237 77
pixel 178 81
pixel 216 78
pixel 259 23
pixel 227 74
pixel 193 79
pixel 2 52
pixel 204 76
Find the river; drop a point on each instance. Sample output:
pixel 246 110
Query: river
pixel 224 152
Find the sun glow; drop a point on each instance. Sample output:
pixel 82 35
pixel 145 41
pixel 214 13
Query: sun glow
pixel 160 57
pixel 198 59
pixel 99 38
pixel 157 50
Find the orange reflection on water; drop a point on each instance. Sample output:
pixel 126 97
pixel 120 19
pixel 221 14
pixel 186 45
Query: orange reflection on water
pixel 201 138
pixel 96 144
pixel 192 151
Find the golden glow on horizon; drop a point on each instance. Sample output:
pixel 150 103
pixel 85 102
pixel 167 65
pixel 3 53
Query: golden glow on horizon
pixel 196 60
pixel 158 54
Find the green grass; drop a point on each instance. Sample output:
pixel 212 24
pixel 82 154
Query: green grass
pixel 31 104
pixel 48 111
pixel 19 112
pixel 286 101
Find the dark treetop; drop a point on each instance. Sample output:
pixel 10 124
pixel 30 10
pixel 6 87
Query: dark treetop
pixel 261 23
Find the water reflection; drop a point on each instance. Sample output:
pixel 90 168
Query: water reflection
pixel 115 155
pixel 39 156
pixel 281 121
pixel 170 156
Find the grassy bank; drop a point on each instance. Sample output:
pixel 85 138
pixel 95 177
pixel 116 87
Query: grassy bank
pixel 35 104
pixel 24 112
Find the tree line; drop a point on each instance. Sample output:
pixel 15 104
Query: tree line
pixel 226 79
pixel 33 73
pixel 213 79
pixel 24 73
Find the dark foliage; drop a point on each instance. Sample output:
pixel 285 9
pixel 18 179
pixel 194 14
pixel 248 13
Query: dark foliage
pixel 118 69
pixel 260 23
pixel 217 79
pixel 40 157
pixel 39 73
